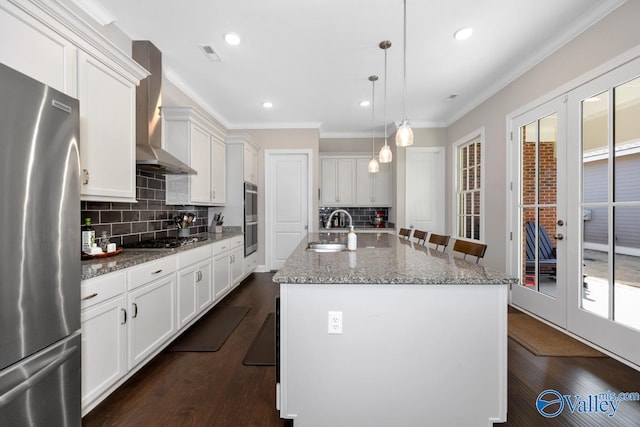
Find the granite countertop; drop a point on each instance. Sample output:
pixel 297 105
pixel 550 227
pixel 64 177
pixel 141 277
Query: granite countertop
pixel 129 258
pixel 383 258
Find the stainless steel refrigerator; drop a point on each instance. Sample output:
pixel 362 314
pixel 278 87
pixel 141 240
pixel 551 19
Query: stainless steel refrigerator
pixel 39 254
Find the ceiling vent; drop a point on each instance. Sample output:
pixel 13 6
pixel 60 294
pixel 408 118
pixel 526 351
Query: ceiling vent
pixel 210 52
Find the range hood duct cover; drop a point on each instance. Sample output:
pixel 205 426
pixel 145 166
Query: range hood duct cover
pixel 150 155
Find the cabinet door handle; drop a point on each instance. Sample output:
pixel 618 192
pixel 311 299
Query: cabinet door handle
pixel 85 177
pixel 135 310
pixel 157 271
pixel 124 316
pixel 93 295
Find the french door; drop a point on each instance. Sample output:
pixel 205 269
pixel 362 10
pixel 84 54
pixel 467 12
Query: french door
pixel 604 306
pixel 540 211
pixel 576 211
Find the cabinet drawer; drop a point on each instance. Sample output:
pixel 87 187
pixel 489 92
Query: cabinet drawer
pixel 221 246
pixel 237 241
pixel 192 256
pixel 95 291
pixel 151 271
pixel 250 263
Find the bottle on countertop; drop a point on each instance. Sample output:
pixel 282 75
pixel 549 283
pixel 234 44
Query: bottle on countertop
pixel 104 241
pixel 352 240
pixel 88 235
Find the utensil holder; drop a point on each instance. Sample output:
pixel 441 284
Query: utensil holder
pixel 217 229
pixel 183 232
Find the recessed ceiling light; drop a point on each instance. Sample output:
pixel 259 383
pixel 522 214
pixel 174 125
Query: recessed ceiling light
pixel 365 103
pixel 267 104
pixel 463 33
pixel 232 38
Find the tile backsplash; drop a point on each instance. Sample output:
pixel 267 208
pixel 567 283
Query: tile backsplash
pixel 361 216
pixel 150 218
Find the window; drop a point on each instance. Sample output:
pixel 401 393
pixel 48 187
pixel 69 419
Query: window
pixel 469 194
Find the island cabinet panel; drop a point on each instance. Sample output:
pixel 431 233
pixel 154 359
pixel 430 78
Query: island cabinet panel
pixel 408 355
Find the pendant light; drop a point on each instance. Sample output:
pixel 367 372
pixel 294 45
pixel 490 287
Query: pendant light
pixel 385 155
pixel 404 135
pixel 374 167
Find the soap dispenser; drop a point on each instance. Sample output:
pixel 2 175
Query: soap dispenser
pixel 352 239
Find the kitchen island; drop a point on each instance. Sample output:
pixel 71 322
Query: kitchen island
pixel 392 334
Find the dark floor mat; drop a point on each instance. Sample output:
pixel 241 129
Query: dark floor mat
pixel 262 351
pixel 211 331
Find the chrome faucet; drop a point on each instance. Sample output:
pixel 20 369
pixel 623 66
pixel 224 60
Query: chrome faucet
pixel 328 225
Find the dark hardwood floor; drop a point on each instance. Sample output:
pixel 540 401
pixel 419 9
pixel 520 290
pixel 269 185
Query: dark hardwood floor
pixel 216 389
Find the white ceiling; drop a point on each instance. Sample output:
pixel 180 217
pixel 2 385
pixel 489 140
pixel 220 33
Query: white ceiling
pixel 312 58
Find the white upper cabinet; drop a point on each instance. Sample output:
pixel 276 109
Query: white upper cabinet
pixel 346 181
pixel 198 142
pixel 373 189
pixel 40 54
pixel 250 164
pixel 50 44
pixel 242 154
pixel 218 172
pixel 338 181
pixel 107 132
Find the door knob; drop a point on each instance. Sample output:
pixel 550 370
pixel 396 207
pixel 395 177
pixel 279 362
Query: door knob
pixel 558 236
pixel 560 222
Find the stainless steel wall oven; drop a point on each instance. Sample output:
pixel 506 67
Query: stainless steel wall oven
pixel 250 218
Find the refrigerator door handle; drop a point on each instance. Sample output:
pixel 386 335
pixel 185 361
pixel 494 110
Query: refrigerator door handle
pixel 17 389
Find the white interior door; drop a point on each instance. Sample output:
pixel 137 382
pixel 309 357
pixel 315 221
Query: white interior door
pixel 540 211
pixel 287 204
pixel 424 197
pixel 605 161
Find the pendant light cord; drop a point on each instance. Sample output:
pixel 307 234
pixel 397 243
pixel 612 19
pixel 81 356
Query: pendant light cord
pixel 384 109
pixel 373 104
pixel 404 88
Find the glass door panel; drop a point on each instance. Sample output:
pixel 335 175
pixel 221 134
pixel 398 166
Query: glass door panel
pixel 604 151
pixel 626 267
pixel 538 203
pixel 542 287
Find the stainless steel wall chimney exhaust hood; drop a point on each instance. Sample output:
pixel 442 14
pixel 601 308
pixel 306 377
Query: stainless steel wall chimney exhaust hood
pixel 150 155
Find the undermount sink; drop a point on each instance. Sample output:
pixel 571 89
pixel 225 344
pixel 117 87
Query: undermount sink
pixel 326 247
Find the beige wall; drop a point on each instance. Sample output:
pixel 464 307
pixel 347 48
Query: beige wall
pixel 349 145
pixel 612 36
pixel 283 139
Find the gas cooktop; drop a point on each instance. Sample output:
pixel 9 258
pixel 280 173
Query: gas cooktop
pixel 164 243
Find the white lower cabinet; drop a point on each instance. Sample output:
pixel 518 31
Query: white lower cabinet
pixel 104 334
pixel 221 269
pixel 236 260
pixel 194 283
pixel 130 315
pixel 228 258
pixel 152 311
